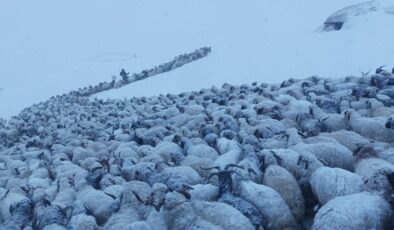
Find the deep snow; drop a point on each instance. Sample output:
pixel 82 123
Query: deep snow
pixel 51 47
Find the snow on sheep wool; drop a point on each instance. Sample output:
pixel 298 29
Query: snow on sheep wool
pixel 309 153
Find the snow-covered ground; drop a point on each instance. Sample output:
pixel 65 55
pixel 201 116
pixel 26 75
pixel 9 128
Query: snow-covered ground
pixel 51 47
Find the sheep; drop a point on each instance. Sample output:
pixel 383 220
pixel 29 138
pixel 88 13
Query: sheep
pixel 230 157
pixel 386 154
pixel 202 151
pixel 247 208
pixel 169 151
pixel 349 139
pixel 356 211
pixel 227 193
pixel 176 177
pixel 98 204
pixel 206 192
pixel 301 165
pixel 222 215
pixel 82 221
pixel 157 221
pixel 282 136
pixel 390 122
pixel 376 173
pixel 251 164
pixel 21 214
pixel 332 155
pixel 224 145
pixel 377 109
pixel 51 215
pixel 137 225
pixel 122 218
pixel 286 185
pixel 11 199
pixel 270 204
pixel 179 213
pixel 328 183
pixel 197 163
pixel 374 128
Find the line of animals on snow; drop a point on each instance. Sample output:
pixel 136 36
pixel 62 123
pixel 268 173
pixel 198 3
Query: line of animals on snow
pixel 304 154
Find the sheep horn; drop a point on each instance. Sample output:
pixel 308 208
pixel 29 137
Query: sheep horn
pixel 213 174
pixel 232 171
pixel 302 135
pixel 278 158
pixel 251 171
pixel 138 198
pixel 185 193
pixel 216 167
pixel 380 69
pixel 113 197
pixel 96 168
pixel 187 187
pixel 232 165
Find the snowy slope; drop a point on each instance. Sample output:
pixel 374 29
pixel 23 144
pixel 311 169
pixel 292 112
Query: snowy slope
pixel 50 47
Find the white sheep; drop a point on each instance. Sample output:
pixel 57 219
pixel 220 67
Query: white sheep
pixel 332 155
pixel 374 128
pixel 375 172
pixel 349 139
pixel 202 151
pixel 99 204
pixel 354 212
pixel 286 185
pixel 301 165
pixel 270 203
pixel 328 183
pixel 222 215
pixel 82 221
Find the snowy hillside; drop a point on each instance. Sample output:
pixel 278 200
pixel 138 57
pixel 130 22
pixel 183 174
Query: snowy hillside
pixel 51 47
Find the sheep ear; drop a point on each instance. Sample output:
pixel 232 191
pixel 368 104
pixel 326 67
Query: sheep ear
pixel 390 177
pixel 68 211
pixel 251 171
pixel 47 202
pixel 347 116
pixel 12 207
pixel 138 197
pixel 232 165
pixel 112 196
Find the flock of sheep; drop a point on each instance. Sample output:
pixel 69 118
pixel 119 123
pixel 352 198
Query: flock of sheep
pixel 304 154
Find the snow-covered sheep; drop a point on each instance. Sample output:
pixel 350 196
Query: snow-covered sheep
pixel 286 185
pixel 99 204
pixel 247 208
pixel 328 183
pixel 206 192
pixel 82 221
pixel 301 165
pixel 376 173
pixel 374 128
pixel 224 145
pixel 51 215
pixel 20 215
pixel 176 177
pixel 122 218
pixel 270 203
pixel 356 211
pixel 198 163
pixel 203 151
pixel 332 155
pixel 221 214
pixel 349 139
